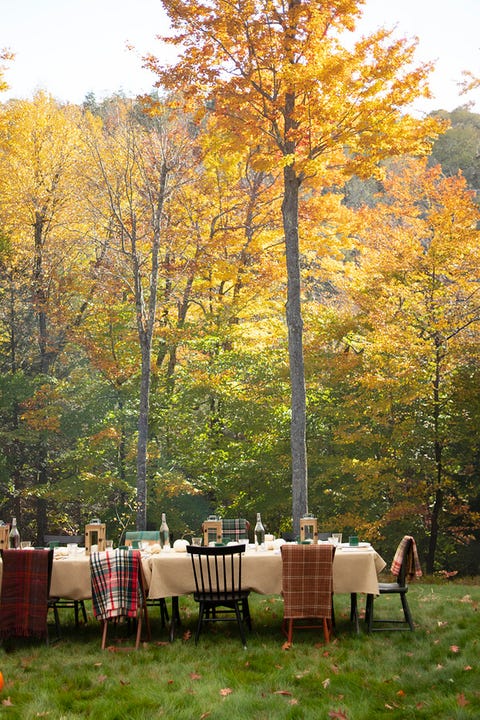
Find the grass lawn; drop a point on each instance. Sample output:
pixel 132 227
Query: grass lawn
pixel 431 673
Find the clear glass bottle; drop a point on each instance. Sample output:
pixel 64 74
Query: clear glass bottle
pixel 259 532
pixel 164 533
pixel 14 535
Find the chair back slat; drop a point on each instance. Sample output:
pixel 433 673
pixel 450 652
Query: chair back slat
pixel 217 571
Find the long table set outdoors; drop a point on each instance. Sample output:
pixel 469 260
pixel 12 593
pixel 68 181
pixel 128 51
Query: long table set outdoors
pixel 168 572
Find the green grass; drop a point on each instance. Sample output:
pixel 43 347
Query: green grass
pixel 431 673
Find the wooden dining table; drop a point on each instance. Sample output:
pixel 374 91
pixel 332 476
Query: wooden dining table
pixel 169 573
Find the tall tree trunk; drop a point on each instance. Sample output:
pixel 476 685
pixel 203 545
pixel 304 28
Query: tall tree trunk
pixel 39 302
pixel 295 348
pixel 142 444
pixel 146 324
pixel 438 453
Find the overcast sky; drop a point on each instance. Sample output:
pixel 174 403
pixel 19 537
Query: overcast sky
pixel 73 47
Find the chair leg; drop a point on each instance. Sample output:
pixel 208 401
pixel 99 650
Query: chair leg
pixel 201 613
pixel 326 632
pixel 104 633
pixel 240 625
pixel 175 622
pixel 246 614
pixel 369 613
pixel 57 620
pixel 406 611
pixel 290 631
pixel 354 611
pixel 139 630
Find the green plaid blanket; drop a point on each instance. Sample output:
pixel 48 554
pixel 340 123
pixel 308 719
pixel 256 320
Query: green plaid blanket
pixel 116 588
pixel 235 529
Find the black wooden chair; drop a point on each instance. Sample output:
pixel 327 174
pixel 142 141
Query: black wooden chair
pixel 405 567
pixel 307 588
pixel 26 576
pixel 218 582
pixel 57 603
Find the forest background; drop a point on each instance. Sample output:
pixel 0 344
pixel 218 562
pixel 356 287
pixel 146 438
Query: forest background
pixel 130 239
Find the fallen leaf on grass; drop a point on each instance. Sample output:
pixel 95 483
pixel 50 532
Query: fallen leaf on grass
pixel 468 667
pixel 286 645
pixel 326 683
pixel 401 693
pixel 337 714
pixel 205 715
pixel 282 692
pixel 226 691
pixel 187 635
pixel 195 676
pixel 462 700
pixel 454 648
pixel 7 702
pixel 102 678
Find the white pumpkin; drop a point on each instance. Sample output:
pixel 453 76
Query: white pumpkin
pixel 180 545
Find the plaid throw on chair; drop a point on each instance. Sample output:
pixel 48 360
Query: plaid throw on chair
pixel 116 590
pixel 307 581
pixel 235 529
pixel 24 593
pixel 413 563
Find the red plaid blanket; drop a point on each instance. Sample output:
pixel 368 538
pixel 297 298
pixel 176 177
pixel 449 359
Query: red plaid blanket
pixel 307 580
pixel 24 595
pixel 413 563
pixel 116 587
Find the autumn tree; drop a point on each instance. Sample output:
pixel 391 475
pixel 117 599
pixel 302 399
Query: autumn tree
pixel 140 159
pixel 413 289
pixel 279 77
pixel 43 228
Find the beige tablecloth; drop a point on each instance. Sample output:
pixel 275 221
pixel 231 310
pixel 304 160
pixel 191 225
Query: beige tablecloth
pixel 169 574
pixel 353 571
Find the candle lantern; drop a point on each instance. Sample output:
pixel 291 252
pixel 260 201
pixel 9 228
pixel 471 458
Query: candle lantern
pixel 212 530
pixel 4 531
pixel 95 534
pixel 309 529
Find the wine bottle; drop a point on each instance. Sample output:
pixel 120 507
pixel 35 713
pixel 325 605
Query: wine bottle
pixel 14 535
pixel 164 533
pixel 259 532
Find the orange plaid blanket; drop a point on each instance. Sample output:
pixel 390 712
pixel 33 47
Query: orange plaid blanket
pixel 413 563
pixel 307 580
